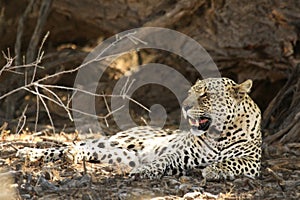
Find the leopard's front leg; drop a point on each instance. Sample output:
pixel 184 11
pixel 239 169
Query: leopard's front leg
pixel 228 169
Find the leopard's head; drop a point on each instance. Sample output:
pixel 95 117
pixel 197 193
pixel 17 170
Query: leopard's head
pixel 213 103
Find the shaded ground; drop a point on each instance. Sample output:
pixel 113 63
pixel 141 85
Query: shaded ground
pixel 61 180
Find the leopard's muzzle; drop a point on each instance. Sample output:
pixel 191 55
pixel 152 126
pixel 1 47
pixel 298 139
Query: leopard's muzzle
pixel 200 123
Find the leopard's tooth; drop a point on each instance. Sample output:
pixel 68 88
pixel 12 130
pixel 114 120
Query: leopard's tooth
pixel 193 122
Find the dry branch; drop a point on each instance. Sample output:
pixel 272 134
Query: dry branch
pixel 36 86
pixel 282 115
pixel 35 38
pixel 20 32
pixel 181 9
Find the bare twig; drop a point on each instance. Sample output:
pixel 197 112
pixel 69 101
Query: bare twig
pixel 125 89
pixel 136 40
pixel 96 116
pixel 34 86
pixel 39 57
pixel 108 109
pixel 22 119
pixel 123 94
pixel 37 113
pixel 71 109
pixel 25 66
pixel 144 120
pixel 9 61
pixel 60 103
pixel 137 103
pixel 98 58
pixel 46 108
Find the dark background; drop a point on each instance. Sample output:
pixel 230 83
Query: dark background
pixel 256 40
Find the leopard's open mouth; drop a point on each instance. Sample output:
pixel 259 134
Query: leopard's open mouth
pixel 200 123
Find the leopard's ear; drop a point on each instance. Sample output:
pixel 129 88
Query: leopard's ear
pixel 244 87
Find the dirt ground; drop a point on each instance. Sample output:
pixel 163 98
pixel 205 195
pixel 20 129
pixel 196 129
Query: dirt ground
pixel 62 180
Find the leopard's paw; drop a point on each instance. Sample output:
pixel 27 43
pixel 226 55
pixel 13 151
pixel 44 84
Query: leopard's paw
pixel 211 173
pixel 146 171
pixel 214 172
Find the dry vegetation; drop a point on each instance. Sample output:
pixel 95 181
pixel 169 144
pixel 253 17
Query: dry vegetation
pixel 45 42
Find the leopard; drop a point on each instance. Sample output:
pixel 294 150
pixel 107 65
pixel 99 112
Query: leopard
pixel 223 140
